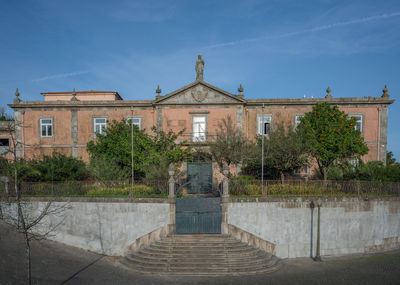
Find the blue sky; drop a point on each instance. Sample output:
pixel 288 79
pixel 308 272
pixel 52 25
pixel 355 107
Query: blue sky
pixel 276 48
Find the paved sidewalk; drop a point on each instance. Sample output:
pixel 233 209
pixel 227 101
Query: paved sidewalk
pixel 55 263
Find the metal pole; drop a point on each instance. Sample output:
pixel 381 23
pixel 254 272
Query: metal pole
pixel 318 255
pixel 132 173
pixel 23 134
pixel 312 205
pixel 262 151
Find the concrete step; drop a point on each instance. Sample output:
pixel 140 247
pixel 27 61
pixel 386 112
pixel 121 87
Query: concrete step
pixel 208 258
pixel 200 267
pixel 223 262
pixel 198 242
pixel 184 268
pixel 190 253
pixel 208 274
pixel 202 246
pixel 200 255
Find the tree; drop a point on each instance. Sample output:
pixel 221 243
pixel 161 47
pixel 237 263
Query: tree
pixel 59 167
pixel 330 136
pixel 25 219
pixel 4 116
pixel 390 159
pixel 285 150
pixel 116 146
pixel 229 146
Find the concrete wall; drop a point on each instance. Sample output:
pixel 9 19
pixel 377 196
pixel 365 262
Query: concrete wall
pixel 348 225
pixel 103 227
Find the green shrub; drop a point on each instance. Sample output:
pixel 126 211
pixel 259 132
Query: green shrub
pixel 237 184
pixel 335 173
pixel 138 189
pixel 301 190
pixel 57 167
pixel 252 189
pixel 67 188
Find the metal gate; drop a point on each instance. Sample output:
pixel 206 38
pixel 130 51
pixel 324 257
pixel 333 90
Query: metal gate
pixel 201 215
pixel 199 177
pixel 198 215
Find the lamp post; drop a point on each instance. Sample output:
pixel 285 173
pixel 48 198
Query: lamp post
pixel 312 206
pixel 262 151
pixel 132 173
pixel 318 255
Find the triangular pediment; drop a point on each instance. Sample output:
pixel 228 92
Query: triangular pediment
pixel 199 92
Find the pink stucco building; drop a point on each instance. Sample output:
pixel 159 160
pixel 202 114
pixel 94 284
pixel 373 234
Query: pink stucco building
pixel 66 121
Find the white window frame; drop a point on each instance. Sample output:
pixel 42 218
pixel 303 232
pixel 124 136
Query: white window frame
pixel 297 120
pixel 199 129
pixel 260 127
pixel 138 123
pixel 102 126
pixel 48 127
pixel 359 121
pixel 354 162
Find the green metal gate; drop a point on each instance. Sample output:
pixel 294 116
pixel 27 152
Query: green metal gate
pixel 198 215
pixel 199 177
pixel 201 215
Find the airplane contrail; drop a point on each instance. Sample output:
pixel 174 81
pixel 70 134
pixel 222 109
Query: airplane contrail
pixel 62 75
pixel 311 30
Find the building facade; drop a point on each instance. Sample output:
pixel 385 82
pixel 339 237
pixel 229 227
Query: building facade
pixel 66 121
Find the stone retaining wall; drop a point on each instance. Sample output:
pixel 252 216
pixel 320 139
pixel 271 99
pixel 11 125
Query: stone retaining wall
pixel 105 227
pixel 348 225
pixel 281 226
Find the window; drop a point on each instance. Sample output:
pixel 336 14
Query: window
pixel 4 146
pixel 199 129
pixel 46 127
pixel 100 125
pixel 137 121
pixel 297 119
pixel 355 162
pixel 264 124
pixel 359 122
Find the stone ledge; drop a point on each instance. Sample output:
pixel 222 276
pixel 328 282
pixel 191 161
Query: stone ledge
pixel 251 239
pixel 98 199
pixel 152 237
pixel 309 199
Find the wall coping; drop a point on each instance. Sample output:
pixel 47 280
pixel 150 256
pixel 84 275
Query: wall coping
pixel 309 199
pixel 98 200
pixel 231 200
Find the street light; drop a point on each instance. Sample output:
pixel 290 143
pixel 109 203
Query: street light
pixel 318 255
pixel 312 206
pixel 262 151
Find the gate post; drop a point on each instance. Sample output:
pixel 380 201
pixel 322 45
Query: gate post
pixel 171 195
pixel 225 199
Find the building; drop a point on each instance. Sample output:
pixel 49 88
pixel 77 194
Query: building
pixel 66 121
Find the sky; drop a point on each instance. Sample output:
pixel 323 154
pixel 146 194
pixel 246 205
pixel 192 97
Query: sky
pixel 275 48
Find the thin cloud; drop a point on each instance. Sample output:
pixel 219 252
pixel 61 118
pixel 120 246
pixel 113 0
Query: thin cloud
pixel 311 30
pixel 61 75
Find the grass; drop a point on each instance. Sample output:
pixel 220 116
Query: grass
pixel 153 195
pixel 76 189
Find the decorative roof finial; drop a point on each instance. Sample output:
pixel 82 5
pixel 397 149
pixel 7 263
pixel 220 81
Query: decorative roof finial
pixel 240 90
pixel 385 94
pixel 74 96
pixel 17 99
pixel 328 93
pixel 158 92
pixel 199 68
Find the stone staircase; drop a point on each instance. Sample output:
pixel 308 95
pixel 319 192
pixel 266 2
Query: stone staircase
pixel 200 255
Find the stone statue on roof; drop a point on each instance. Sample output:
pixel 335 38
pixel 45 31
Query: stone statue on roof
pixel 199 68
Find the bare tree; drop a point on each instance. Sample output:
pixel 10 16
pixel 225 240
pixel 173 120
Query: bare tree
pixel 229 146
pixel 21 213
